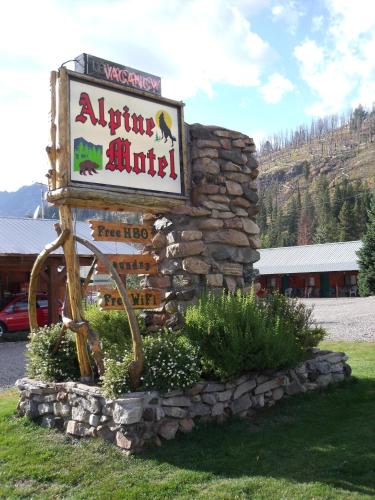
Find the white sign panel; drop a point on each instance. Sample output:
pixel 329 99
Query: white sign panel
pixel 121 140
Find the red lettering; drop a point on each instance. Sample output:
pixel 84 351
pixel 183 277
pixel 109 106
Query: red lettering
pixel 84 101
pixel 163 164
pixel 114 120
pixel 139 169
pixel 150 125
pixel 123 75
pixel 151 158
pixel 137 124
pixel 115 74
pixel 118 154
pixel 172 174
pixel 108 71
pixel 126 116
pixel 101 121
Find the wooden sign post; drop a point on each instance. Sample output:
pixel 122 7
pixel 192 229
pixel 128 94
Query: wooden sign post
pixel 116 149
pixel 120 232
pixel 147 298
pixel 130 264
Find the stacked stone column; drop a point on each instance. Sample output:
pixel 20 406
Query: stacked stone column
pixel 211 241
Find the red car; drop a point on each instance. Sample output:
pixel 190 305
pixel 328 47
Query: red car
pixel 14 316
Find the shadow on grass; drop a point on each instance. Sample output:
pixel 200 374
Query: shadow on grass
pixel 326 437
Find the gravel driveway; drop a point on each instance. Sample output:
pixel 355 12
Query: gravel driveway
pixel 346 318
pixel 12 363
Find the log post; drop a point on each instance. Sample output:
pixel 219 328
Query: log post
pixel 51 150
pixel 74 289
pixel 66 220
pixel 33 285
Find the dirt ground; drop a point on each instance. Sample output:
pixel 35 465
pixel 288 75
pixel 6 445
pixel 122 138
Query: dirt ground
pixel 346 318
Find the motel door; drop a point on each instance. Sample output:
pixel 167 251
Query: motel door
pixel 324 285
pixel 285 283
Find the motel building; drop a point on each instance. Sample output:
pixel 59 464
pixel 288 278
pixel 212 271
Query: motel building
pixel 21 241
pixel 323 270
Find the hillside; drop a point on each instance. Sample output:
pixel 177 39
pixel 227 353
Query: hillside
pixel 336 155
pixel 21 203
pixel 307 181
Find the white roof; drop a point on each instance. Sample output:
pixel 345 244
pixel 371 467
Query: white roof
pixel 320 258
pixel 22 236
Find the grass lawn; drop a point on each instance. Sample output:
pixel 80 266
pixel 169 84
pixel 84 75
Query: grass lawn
pixel 319 445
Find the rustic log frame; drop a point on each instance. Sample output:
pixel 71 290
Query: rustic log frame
pixel 136 366
pixel 78 325
pixel 37 267
pixel 106 197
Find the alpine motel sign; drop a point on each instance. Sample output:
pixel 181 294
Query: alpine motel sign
pixel 122 140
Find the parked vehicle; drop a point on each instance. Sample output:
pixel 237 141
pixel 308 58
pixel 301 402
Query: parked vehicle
pixel 14 316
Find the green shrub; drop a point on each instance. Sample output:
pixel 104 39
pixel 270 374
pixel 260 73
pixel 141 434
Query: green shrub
pixel 116 380
pixel 238 333
pixel 296 317
pixel 43 364
pixel 113 328
pixel 171 362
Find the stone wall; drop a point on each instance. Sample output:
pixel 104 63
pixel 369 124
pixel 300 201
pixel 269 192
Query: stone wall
pixel 211 241
pixel 141 418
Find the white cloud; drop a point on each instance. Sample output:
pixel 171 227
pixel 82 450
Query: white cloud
pixel 275 88
pixel 259 136
pixel 192 44
pixel 289 13
pixel 342 70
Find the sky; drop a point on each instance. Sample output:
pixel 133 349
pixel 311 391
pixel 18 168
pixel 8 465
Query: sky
pixel 256 66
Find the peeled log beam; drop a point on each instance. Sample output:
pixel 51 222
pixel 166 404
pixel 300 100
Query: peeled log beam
pixel 136 366
pixel 37 267
pixel 111 200
pixel 88 278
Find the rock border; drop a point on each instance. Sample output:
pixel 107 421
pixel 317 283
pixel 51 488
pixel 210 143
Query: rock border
pixel 141 418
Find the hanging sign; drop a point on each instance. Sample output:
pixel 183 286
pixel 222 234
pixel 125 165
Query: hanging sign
pixel 119 148
pixel 147 298
pixel 120 232
pixel 130 264
pixel 117 73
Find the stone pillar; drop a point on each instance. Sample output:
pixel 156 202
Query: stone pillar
pixel 210 242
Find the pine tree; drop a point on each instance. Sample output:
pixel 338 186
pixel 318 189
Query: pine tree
pixel 306 222
pixel 347 226
pixel 325 227
pixel 367 256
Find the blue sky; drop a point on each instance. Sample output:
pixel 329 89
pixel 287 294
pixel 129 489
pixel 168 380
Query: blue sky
pixel 256 66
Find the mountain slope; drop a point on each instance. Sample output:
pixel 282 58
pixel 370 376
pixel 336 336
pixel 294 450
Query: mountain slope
pixel 21 203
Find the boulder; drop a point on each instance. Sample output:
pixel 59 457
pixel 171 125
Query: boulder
pixel 228 236
pixel 168 429
pixel 195 265
pixel 128 411
pixel 234 188
pixel 185 249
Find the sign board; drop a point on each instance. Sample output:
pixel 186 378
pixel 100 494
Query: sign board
pixel 120 232
pixel 130 264
pixel 117 73
pixel 147 298
pixel 120 149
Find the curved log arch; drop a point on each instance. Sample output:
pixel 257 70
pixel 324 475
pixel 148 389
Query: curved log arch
pixel 40 260
pixel 136 366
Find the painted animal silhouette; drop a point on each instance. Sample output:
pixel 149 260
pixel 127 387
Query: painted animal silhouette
pixel 88 167
pixel 165 130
